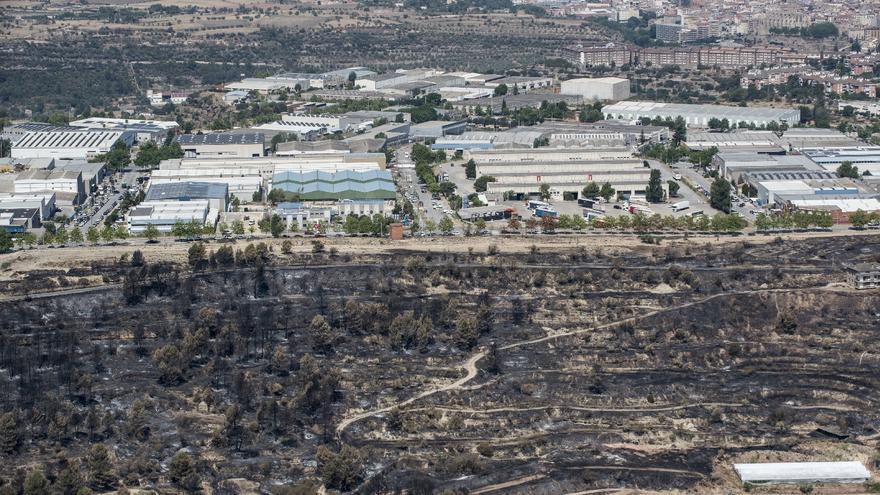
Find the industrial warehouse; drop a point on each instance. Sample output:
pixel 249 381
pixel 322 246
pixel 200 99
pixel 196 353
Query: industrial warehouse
pixel 700 115
pixel 524 172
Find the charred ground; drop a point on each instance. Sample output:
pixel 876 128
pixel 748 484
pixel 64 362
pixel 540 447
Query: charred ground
pixel 583 368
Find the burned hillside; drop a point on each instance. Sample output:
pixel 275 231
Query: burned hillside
pixel 407 370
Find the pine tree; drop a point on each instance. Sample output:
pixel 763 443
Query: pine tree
pixel 182 472
pixel 100 468
pixel 36 483
pixel 8 433
pixel 654 191
pixel 466 333
pixel 321 333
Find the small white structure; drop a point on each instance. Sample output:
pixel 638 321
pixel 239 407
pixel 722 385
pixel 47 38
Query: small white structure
pixel 802 472
pixel 598 89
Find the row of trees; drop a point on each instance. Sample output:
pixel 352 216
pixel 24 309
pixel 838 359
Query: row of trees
pixel 639 222
pixel 861 218
pixel 62 236
pixel 593 191
pixel 796 220
pixel 363 224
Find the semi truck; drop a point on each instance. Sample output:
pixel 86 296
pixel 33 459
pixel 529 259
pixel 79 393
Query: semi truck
pixel 681 205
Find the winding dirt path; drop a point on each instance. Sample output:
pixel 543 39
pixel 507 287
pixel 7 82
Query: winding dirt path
pixel 577 408
pixel 470 366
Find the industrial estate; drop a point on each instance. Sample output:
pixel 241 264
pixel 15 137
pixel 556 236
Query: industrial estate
pixel 466 247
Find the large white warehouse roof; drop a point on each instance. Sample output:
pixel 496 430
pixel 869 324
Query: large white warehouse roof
pixel 69 139
pixel 701 114
pixel 803 472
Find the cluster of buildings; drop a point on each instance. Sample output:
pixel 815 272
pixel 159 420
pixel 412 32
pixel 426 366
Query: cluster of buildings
pixel 82 139
pixel 602 134
pixel 35 190
pixel 682 29
pixel 307 125
pixel 797 170
pixel 806 75
pixel 307 183
pixel 50 169
pixel 159 98
pixel 733 57
pixel 358 83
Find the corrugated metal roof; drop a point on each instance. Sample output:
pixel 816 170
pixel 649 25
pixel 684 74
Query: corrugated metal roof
pixel 222 139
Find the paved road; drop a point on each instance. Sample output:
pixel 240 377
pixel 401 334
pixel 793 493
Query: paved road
pixel 695 176
pixel 410 184
pixel 98 217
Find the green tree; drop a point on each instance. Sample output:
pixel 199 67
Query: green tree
pixel 591 190
pixel 343 470
pixel 673 188
pixel 500 90
pixel 5 241
pixel 170 364
pixel 62 236
pixel 480 183
pixel 76 236
pixel 93 235
pixel 276 225
pixel 182 473
pixel 859 218
pixel 446 225
pixel 466 333
pixel 679 131
pixel 322 334
pixel 150 232
pixel 607 191
pixel 846 169
pixel 470 169
pixel 100 468
pixel 719 195
pixel 276 196
pixel 654 191
pixel 197 256
pixel 108 233
pixel 544 192
pixel 8 433
pixel 117 158
pixel 36 483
